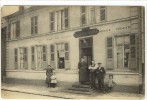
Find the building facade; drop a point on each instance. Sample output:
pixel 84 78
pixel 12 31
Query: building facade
pixel 60 35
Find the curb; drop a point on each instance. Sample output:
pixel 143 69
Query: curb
pixel 36 94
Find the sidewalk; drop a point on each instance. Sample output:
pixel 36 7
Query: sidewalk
pixel 58 92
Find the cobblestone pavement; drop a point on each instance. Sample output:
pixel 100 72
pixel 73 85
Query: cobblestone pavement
pixel 57 92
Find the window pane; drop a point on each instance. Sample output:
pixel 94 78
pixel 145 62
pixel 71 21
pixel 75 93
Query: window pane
pixel 44 49
pixel 132 39
pixel 33 50
pixel 15 58
pixel 52 48
pixel 133 52
pixel 33 58
pixel 66 13
pixel 52 57
pixel 44 57
pixel 18 29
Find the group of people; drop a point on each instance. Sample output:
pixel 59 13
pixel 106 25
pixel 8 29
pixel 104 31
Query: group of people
pixel 51 80
pixel 92 73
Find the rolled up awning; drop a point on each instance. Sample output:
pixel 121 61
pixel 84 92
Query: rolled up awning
pixel 86 32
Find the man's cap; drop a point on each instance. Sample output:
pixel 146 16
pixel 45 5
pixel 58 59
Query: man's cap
pixel 99 63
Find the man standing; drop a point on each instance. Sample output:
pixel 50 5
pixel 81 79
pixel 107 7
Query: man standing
pixel 100 73
pixel 83 72
pixel 92 75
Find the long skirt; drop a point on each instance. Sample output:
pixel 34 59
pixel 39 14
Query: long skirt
pixel 83 75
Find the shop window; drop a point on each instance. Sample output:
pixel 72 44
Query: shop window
pixel 52 21
pixel 102 13
pixel 34 25
pixel 83 15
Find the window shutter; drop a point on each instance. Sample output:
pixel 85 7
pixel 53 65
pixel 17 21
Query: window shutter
pixel 44 53
pixel 67 58
pixel 15 58
pixel 109 53
pixel 52 57
pixel 132 60
pixel 17 29
pixel 25 58
pixel 9 31
pixel 33 57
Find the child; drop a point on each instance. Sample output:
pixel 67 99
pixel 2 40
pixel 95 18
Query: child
pixel 53 80
pixel 110 83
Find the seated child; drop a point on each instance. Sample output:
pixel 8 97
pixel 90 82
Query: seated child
pixel 110 83
pixel 53 80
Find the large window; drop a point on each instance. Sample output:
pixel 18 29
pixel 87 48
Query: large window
pixel 15 30
pixel 83 15
pixel 102 13
pixel 34 25
pixel 52 21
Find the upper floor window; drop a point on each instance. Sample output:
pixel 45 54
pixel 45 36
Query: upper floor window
pixel 83 15
pixel 9 32
pixel 52 21
pixel 102 13
pixel 15 30
pixel 34 25
pixel 92 14
pixel 65 18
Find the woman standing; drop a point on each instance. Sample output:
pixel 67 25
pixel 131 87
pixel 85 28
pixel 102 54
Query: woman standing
pixel 49 72
pixel 83 72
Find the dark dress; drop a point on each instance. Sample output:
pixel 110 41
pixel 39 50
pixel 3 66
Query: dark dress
pixel 49 72
pixel 83 72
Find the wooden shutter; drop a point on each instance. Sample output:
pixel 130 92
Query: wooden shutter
pixel 15 58
pixel 33 58
pixel 132 60
pixel 67 56
pixel 17 29
pixel 52 56
pixel 25 58
pixel 109 44
pixel 44 56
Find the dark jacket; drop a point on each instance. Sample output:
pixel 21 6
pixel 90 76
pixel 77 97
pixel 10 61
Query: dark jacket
pixel 100 72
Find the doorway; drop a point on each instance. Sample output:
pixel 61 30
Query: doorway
pixel 86 49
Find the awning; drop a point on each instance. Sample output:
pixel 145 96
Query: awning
pixel 86 32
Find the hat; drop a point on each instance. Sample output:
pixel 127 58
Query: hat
pixel 99 63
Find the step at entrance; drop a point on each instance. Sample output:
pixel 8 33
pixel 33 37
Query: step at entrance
pixel 78 88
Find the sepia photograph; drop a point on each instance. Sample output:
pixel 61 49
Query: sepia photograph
pixel 73 52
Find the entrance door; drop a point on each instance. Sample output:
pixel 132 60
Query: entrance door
pixel 86 45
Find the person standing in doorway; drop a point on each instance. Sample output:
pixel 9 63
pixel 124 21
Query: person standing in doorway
pixel 100 74
pixel 83 72
pixel 92 69
pixel 49 72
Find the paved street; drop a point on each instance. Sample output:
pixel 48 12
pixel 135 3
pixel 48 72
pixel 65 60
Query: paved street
pixel 21 91
pixel 18 95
